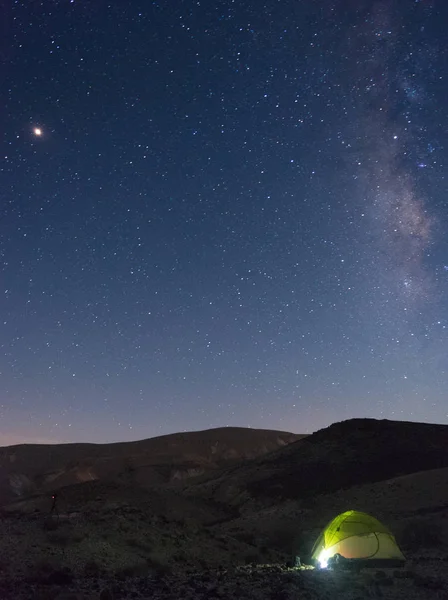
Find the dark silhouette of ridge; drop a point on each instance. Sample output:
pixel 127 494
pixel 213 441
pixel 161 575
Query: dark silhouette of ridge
pixel 354 452
pixel 348 453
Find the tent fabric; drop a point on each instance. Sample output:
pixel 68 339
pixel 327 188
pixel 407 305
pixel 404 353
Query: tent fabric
pixel 356 535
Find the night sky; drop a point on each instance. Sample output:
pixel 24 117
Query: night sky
pixel 221 213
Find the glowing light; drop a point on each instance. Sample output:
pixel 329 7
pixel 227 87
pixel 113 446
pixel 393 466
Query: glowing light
pixel 37 131
pixel 324 557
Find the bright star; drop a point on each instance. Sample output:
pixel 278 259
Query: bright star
pixel 37 131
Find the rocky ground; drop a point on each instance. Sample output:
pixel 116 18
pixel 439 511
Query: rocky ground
pixel 262 582
pixel 124 552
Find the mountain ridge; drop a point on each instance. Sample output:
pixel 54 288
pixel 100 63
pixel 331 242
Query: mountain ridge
pixel 27 468
pixel 346 453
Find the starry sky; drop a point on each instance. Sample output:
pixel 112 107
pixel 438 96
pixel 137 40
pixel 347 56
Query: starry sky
pixel 221 213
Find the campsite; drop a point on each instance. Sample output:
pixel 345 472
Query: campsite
pixel 223 300
pixel 261 524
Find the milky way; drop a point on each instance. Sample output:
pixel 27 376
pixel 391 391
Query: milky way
pixel 392 76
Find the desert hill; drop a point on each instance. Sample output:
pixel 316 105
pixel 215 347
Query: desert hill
pixel 345 454
pixel 26 469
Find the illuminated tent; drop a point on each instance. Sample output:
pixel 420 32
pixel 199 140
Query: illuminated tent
pixel 356 535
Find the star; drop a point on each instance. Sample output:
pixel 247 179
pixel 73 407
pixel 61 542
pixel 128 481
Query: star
pixel 213 248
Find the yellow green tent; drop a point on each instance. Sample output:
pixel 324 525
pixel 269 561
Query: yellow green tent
pixel 356 535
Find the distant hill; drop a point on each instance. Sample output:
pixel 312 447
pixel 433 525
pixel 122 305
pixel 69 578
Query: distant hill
pixel 349 453
pixel 26 469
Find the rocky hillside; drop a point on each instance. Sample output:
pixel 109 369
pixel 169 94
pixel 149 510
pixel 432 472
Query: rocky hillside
pixel 27 469
pixel 345 454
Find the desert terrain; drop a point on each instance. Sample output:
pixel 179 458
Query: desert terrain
pixel 222 514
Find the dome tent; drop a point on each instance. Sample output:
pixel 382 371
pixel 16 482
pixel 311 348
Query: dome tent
pixel 357 536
